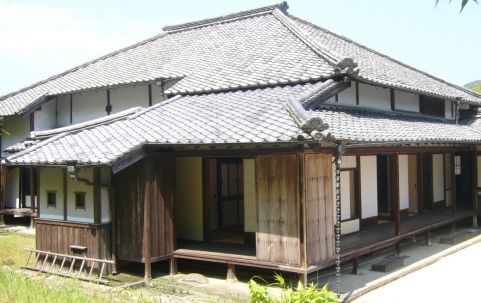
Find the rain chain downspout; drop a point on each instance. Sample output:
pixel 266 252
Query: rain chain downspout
pixel 341 148
pixel 73 171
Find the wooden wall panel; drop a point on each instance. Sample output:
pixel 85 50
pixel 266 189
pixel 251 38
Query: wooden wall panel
pixel 319 207
pixel 153 174
pixel 57 236
pixel 278 231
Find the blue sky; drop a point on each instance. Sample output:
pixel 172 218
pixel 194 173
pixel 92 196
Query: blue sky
pixel 39 39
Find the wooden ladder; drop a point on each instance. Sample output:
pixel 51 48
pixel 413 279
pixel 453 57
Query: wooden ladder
pixel 40 264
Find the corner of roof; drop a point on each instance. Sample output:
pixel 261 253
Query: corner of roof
pixel 283 6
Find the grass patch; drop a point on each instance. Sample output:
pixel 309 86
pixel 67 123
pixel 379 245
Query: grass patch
pixel 12 248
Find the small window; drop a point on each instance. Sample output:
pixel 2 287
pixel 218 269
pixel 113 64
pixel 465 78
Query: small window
pixel 431 106
pixel 79 200
pixel 51 198
pixel 457 165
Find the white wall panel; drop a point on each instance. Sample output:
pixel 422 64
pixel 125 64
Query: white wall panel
pixel 403 182
pixel 46 117
pixel 88 105
pixel 348 96
pixel 12 183
pixel 448 110
pixel 406 101
pixel 80 215
pixel 374 97
pixel 345 195
pixel 438 177
pixel 123 98
pixel 51 179
pixel 368 167
pixel 63 110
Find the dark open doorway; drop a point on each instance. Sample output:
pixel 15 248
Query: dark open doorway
pixel 463 171
pixel 383 201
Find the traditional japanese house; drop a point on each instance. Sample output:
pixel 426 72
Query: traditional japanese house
pixel 263 122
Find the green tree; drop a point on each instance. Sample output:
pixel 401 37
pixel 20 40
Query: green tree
pixel 463 3
pixel 477 88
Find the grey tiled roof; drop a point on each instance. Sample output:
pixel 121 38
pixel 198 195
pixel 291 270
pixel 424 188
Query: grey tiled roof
pixel 378 68
pixel 240 117
pixel 258 48
pixel 357 125
pixel 249 51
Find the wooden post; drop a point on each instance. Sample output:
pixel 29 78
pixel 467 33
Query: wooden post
pixel 427 238
pixel 420 183
pixel 146 231
pixel 303 278
pixel 474 164
pixel 113 227
pixel 302 210
pixel 97 195
pixel 395 193
pixel 231 273
pixel 398 249
pixel 64 171
pixel 32 197
pixel 453 184
pixel 355 265
pixel 37 191
pixel 173 266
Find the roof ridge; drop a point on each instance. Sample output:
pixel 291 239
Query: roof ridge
pixel 386 56
pixel 341 64
pixel 85 125
pixel 283 6
pixel 31 86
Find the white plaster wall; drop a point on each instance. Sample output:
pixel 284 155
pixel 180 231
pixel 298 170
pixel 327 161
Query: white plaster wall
pixel 374 97
pixel 19 129
pixel 448 110
pixel 51 179
pixel 250 205
pixel 123 98
pixel 88 105
pixel 438 177
pixel 368 168
pixel 348 227
pixel 403 182
pixel 105 177
pixel 348 96
pixel 81 215
pixel 345 195
pixel 156 96
pixel 406 101
pixel 349 162
pixel 12 183
pixel 63 110
pixel 46 117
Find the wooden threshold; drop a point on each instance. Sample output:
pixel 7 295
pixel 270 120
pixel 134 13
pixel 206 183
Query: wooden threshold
pixel 25 212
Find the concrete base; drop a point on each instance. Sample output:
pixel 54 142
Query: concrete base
pixel 454 238
pixel 388 264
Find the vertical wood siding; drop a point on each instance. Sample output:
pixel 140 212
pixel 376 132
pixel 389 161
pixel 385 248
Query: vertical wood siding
pixel 319 208
pixel 153 174
pixel 277 181
pixel 57 236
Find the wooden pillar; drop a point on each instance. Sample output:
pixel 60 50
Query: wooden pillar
pixel 427 238
pixel 395 192
pixel 64 171
pixel 302 211
pixel 113 240
pixel 420 183
pixel 453 185
pixel 146 230
pixel 355 265
pixel 474 164
pixel 32 197
pixel 173 266
pixel 397 248
pixel 37 191
pixel 303 278
pixel 231 273
pixel 97 195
